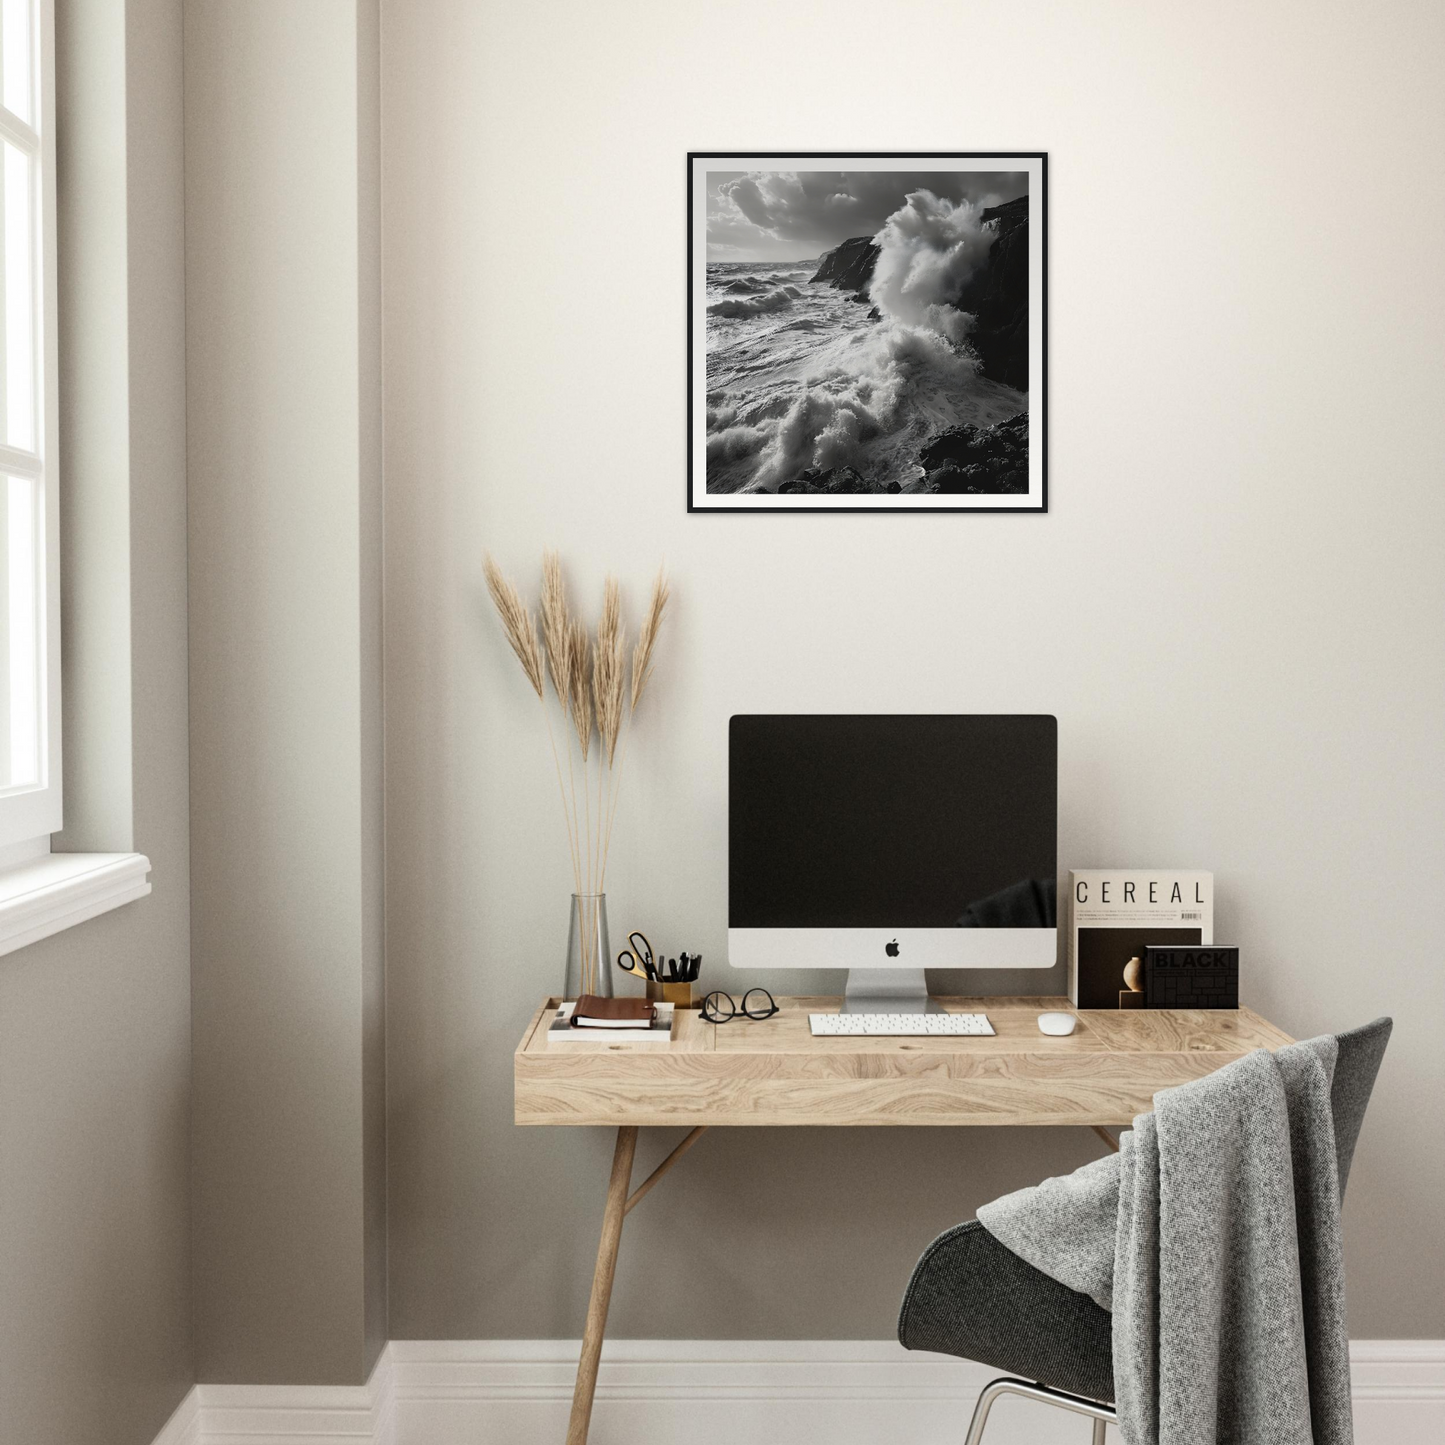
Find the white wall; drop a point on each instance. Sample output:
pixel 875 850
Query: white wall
pixel 1234 606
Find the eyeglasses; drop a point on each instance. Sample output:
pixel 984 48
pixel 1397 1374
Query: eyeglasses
pixel 719 1008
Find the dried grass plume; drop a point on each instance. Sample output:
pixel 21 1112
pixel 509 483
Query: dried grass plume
pixel 609 669
pixel 579 685
pixel 556 634
pixel 517 623
pixel 647 637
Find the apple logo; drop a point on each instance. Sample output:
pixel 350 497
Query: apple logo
pixel 891 949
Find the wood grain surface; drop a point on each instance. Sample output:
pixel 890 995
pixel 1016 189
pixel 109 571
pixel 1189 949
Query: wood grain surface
pixel 773 1071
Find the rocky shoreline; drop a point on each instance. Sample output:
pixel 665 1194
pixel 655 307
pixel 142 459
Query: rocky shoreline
pixel 962 461
pixel 973 460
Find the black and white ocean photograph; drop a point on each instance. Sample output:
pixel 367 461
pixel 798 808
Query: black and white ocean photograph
pixel 866 332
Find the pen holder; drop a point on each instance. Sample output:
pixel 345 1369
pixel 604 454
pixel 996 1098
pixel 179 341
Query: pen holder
pixel 679 994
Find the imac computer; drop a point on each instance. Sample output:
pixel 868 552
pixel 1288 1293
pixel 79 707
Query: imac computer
pixel 890 844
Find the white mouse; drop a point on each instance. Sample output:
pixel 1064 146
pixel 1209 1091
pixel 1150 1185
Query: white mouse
pixel 1058 1024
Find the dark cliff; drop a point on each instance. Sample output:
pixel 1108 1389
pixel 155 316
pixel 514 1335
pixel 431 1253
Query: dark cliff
pixel 849 267
pixel 997 295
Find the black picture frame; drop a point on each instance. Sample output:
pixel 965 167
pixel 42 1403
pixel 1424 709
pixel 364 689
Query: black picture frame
pixel 1035 502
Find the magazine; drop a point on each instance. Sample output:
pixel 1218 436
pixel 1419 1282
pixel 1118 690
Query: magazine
pixel 1115 912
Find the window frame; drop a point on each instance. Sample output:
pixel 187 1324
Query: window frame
pixel 43 892
pixel 28 816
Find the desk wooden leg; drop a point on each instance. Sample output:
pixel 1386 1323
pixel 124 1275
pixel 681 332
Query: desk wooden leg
pixel 612 1217
pixel 641 1192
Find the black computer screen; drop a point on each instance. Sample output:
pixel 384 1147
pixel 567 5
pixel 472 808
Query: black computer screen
pixel 914 821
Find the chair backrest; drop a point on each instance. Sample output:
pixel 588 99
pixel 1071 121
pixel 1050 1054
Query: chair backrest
pixel 1359 1061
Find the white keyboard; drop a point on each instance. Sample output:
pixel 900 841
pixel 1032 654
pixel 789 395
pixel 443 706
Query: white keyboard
pixel 912 1026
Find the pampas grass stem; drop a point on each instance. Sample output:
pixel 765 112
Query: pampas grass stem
pixel 641 672
pixel 647 637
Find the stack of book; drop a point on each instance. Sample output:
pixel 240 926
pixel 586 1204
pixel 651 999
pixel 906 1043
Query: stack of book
pixel 597 1030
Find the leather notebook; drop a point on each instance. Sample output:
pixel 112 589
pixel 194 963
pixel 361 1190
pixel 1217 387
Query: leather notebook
pixel 593 1012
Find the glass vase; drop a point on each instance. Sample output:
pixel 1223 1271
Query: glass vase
pixel 589 952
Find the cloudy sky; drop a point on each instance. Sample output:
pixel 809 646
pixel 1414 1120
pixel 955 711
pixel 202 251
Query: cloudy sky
pixel 795 215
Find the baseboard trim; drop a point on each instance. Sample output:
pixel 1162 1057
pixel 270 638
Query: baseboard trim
pixel 184 1426
pixel 704 1392
pixel 287 1414
pixel 1399 1371
pixel 544 1370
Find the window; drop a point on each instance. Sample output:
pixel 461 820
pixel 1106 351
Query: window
pixel 30 797
pixel 41 892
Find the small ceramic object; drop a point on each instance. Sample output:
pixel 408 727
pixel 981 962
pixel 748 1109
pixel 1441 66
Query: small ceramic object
pixel 1057 1024
pixel 1134 975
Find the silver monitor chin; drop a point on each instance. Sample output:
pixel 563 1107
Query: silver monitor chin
pixel 885 970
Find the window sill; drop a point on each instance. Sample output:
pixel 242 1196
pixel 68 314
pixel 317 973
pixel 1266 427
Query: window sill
pixel 60 890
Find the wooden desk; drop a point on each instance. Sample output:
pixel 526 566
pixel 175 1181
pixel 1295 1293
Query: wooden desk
pixel 769 1072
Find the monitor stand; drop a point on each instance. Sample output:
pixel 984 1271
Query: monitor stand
pixel 887 991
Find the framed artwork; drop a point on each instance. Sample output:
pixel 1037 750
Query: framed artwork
pixel 867 332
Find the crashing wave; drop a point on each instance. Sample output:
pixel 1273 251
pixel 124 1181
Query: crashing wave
pixel 868 407
pixel 778 300
pixel 928 250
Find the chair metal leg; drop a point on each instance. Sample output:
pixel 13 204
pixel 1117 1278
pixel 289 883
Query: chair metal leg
pixel 980 1411
pixel 1099 1413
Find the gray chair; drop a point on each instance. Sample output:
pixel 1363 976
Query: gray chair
pixel 972 1297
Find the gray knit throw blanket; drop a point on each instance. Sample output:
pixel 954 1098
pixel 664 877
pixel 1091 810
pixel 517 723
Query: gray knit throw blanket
pixel 1214 1237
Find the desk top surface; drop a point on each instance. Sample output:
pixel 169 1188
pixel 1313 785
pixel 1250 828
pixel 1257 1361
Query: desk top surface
pixel 771 1072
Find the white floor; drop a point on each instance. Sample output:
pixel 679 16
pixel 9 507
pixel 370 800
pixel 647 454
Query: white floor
pixel 714 1392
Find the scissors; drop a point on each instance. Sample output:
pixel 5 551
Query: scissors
pixel 637 958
